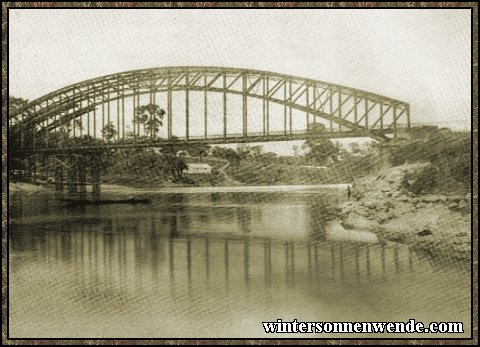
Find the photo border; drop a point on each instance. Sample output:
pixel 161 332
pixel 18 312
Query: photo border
pixel 473 6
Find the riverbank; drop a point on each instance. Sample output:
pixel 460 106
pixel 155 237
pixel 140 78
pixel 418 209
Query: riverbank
pixel 224 189
pixel 25 187
pixel 124 189
pixel 438 224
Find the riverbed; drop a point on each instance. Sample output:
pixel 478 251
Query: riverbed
pixel 202 263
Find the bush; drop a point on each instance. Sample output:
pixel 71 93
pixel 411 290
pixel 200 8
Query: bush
pixel 449 153
pixel 421 182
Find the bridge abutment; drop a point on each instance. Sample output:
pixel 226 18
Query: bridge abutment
pixel 75 177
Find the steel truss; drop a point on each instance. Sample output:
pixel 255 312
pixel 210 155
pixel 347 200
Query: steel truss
pixel 348 109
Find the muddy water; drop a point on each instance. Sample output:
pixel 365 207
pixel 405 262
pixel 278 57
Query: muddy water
pixel 213 265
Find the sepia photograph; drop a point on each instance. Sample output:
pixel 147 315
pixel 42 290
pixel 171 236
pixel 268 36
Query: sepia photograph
pixel 238 173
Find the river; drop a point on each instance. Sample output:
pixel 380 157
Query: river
pixel 213 264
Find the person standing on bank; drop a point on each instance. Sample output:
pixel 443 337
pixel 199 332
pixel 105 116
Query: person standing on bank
pixel 349 192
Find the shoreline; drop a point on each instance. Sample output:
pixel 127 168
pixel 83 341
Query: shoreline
pixel 109 188
pixel 438 224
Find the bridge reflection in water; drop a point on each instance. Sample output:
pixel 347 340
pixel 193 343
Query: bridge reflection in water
pixel 122 254
pixel 210 266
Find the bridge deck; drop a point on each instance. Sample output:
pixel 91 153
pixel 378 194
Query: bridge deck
pixel 212 140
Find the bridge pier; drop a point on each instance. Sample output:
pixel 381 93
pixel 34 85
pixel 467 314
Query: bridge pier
pixel 59 179
pixel 96 186
pixel 72 178
pixel 45 163
pixel 32 169
pixel 82 180
pixel 77 177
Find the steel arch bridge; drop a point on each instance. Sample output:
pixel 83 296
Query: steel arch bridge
pixel 248 106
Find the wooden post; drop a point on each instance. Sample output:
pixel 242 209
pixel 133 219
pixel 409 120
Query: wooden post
pixel 96 187
pixel 82 180
pixel 59 178
pixel 72 177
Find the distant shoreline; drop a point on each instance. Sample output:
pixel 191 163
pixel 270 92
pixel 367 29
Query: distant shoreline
pixel 109 188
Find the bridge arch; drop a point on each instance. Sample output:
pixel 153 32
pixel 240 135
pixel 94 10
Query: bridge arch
pixel 113 98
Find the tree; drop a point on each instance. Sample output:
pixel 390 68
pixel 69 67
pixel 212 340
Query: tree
pixel 198 150
pixel 15 104
pixel 252 152
pixel 151 116
pixel 320 149
pixel 109 131
pixel 355 148
pixel 316 128
pixel 140 119
pixel 16 126
pixel 269 157
pixel 19 135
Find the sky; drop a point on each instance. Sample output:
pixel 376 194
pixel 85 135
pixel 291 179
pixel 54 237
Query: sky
pixel 421 56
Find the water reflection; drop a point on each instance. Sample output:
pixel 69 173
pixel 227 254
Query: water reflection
pixel 146 244
pixel 209 265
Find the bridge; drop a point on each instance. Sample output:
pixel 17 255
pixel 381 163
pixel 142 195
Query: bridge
pixel 168 106
pixel 211 105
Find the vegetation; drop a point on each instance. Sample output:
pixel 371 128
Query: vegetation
pixel 422 182
pixel 324 161
pixel 321 150
pixel 448 153
pixel 109 132
pixel 151 117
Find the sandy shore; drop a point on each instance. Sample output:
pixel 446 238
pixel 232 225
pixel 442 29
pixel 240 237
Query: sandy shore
pixel 115 188
pixel 110 191
pixel 24 187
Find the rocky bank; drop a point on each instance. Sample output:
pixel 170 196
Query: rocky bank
pixel 435 223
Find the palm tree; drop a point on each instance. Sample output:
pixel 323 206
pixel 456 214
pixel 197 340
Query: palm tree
pixel 109 131
pixel 153 126
pixel 139 118
pixel 151 116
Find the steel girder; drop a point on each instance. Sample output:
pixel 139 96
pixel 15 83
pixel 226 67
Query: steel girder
pixel 353 109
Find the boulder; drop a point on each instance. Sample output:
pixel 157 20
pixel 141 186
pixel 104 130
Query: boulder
pixel 402 208
pixel 430 198
pixel 463 205
pixel 359 223
pixel 455 198
pixel 362 211
pixel 383 217
pixel 424 232
pixel 370 202
pixel 442 198
pixel 453 205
